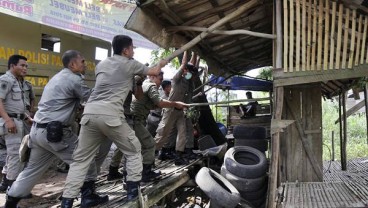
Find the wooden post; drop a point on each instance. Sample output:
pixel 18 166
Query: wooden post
pixel 343 141
pixel 333 145
pixel 279 95
pixel 366 108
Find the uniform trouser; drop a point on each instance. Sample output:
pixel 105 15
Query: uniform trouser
pixel 13 166
pixel 152 124
pixel 117 156
pixel 43 154
pixel 2 151
pixel 172 119
pixel 189 134
pixel 146 140
pixel 96 130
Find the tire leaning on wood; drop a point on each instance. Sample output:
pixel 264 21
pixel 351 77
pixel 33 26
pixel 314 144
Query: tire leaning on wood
pixel 245 162
pixel 243 184
pixel 221 192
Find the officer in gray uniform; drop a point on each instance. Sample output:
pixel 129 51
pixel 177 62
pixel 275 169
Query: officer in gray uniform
pixel 140 109
pixel 182 90
pixel 12 109
pixel 51 135
pixel 103 119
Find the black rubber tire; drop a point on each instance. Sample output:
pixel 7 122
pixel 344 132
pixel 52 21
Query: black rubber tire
pixel 255 195
pixel 217 188
pixel 259 144
pixel 243 184
pixel 249 132
pixel 245 162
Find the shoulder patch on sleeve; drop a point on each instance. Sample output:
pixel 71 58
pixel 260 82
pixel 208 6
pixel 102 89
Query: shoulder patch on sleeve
pixel 3 86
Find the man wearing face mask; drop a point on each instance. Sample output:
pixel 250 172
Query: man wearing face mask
pixel 173 119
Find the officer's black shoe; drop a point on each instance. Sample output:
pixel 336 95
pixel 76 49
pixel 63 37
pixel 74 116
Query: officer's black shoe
pixel 89 197
pixel 166 154
pixel 4 184
pixel 180 160
pixel 148 174
pixel 190 155
pixel 66 202
pixel 132 189
pixel 11 202
pixel 114 173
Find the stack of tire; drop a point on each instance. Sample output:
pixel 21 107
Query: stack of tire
pixel 246 169
pixel 251 136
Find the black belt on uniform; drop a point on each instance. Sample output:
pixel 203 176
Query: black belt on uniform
pixel 155 115
pixel 16 115
pixel 44 125
pixel 128 116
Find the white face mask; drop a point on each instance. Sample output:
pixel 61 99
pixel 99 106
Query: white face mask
pixel 188 75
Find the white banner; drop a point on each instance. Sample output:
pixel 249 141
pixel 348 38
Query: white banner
pixel 97 18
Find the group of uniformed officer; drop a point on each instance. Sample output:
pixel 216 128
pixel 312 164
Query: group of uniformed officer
pixel 103 122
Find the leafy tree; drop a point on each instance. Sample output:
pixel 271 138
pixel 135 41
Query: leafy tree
pixel 161 53
pixel 266 73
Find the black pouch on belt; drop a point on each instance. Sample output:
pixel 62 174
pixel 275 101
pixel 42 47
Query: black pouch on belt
pixel 54 131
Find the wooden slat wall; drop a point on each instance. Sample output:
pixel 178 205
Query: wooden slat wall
pixel 323 35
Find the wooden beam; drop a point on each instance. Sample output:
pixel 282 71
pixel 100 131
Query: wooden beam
pixel 239 11
pixel 353 109
pixel 279 101
pixel 344 137
pixel 284 79
pixel 366 107
pixel 223 32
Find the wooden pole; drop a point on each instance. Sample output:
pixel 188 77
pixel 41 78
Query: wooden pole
pixel 366 107
pixel 333 146
pixel 239 11
pixel 343 142
pixel 279 96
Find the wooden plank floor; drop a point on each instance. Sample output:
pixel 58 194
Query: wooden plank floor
pixel 339 189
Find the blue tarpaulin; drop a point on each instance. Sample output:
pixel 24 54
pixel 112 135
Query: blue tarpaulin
pixel 240 83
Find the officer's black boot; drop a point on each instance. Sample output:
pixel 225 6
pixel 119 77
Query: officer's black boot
pixel 132 189
pixel 4 184
pixel 90 197
pixel 148 174
pixel 11 202
pixel 66 202
pixel 180 160
pixel 165 154
pixel 114 173
pixel 189 154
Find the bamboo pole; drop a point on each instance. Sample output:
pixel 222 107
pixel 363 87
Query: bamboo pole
pixel 239 11
pixel 339 34
pixel 327 31
pixel 291 37
pixel 366 107
pixel 352 41
pixel 320 35
pixel 359 40
pixel 286 41
pixel 304 40
pixel 297 49
pixel 343 142
pixel 332 35
pixel 346 38
pixel 314 38
pixel 362 53
pixel 309 38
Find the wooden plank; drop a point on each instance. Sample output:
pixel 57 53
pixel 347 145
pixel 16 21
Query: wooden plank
pixel 359 40
pixel 339 39
pixel 352 41
pixel 286 36
pixel 320 35
pixel 362 53
pixel 353 109
pixel 327 32
pixel 314 38
pixel 304 35
pixel 332 35
pixel 309 35
pixel 291 37
pixel 298 24
pixel 346 38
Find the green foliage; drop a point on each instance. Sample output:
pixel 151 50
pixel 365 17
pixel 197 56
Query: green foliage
pixel 266 73
pixel 161 53
pixel 356 133
pixel 220 113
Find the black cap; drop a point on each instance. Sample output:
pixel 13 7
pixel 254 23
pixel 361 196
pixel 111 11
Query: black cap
pixel 165 83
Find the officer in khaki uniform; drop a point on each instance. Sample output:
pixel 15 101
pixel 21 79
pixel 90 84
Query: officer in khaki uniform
pixel 60 99
pixel 12 109
pixel 140 109
pixel 103 119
